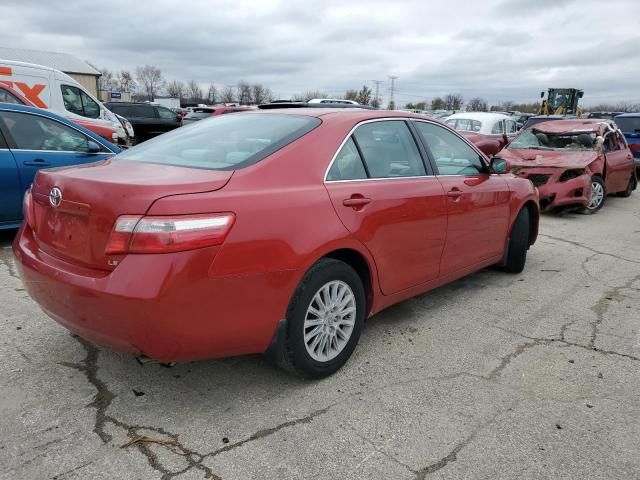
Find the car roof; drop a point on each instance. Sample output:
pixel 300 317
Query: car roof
pixel 593 125
pixel 356 114
pixel 133 103
pixel 555 117
pixel 629 115
pixel 46 113
pixel 480 116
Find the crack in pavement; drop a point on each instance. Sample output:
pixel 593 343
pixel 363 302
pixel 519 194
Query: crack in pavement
pixel 583 265
pixel 101 402
pixel 593 250
pixel 60 475
pixel 601 307
pixel 520 349
pixel 452 456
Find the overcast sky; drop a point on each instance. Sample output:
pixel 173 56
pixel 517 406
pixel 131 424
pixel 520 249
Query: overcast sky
pixel 498 50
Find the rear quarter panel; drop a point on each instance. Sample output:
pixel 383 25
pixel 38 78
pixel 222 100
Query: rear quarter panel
pixel 285 220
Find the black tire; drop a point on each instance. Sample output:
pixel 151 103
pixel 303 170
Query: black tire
pixel 518 244
pixel 591 209
pixel 631 186
pixel 296 358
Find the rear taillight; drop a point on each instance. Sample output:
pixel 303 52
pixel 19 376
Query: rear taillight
pixel 136 234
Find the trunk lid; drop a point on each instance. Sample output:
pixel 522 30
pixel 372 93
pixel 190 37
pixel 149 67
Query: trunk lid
pixel 95 195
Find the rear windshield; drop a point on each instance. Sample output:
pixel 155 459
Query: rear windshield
pixel 628 124
pixel 225 142
pixel 465 124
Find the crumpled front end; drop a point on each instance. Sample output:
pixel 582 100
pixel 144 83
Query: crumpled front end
pixel 558 187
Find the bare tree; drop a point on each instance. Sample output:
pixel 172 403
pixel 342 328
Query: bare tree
pixel 477 104
pixel 351 94
pixel 506 106
pixel 244 93
pixel 364 96
pixel 212 94
pixel 107 80
pixel 259 93
pixel 176 89
pixel 308 95
pixel 228 95
pixel 127 83
pixel 453 101
pixel 151 79
pixel 194 92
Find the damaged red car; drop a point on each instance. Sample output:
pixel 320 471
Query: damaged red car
pixel 573 163
pixel 274 231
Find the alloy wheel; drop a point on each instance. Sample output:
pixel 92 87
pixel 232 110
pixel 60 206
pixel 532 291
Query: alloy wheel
pixel 597 195
pixel 329 321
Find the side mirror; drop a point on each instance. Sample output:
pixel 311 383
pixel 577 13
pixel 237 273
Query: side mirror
pixel 499 166
pixel 93 147
pixel 541 94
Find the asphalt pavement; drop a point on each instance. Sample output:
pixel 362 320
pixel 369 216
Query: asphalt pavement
pixel 496 376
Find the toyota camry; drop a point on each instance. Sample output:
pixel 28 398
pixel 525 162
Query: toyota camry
pixel 274 232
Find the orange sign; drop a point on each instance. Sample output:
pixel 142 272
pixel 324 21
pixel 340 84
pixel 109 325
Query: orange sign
pixel 31 93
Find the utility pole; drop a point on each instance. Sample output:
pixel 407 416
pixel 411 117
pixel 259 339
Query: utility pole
pixel 377 96
pixel 392 103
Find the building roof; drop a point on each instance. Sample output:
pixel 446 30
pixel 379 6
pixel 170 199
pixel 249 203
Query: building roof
pixel 60 61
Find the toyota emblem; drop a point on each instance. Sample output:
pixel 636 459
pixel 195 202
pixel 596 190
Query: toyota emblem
pixel 55 197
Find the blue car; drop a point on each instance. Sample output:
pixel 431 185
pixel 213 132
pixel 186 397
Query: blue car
pixel 629 123
pixel 31 139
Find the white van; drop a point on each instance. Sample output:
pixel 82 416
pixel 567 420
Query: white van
pixel 53 90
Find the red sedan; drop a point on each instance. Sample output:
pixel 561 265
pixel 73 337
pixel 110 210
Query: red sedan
pixel 275 231
pixel 574 163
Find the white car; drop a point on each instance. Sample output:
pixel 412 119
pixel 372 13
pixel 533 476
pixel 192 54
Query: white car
pixel 483 123
pixel 332 100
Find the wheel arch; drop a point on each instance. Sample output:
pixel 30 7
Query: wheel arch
pixel 356 260
pixel 534 220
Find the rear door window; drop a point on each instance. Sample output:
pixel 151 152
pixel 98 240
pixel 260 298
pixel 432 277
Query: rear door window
pixel 389 149
pixel 498 127
pixel 33 132
pixel 166 114
pixel 227 142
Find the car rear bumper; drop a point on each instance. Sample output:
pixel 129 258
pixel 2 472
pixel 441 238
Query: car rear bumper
pixel 554 194
pixel 167 306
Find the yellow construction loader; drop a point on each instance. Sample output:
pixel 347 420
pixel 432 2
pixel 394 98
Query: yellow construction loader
pixel 561 101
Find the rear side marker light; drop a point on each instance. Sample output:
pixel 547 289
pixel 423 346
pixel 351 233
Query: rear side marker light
pixel 27 207
pixel 136 234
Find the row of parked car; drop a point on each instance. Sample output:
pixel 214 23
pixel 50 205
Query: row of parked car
pixel 574 162
pixel 280 232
